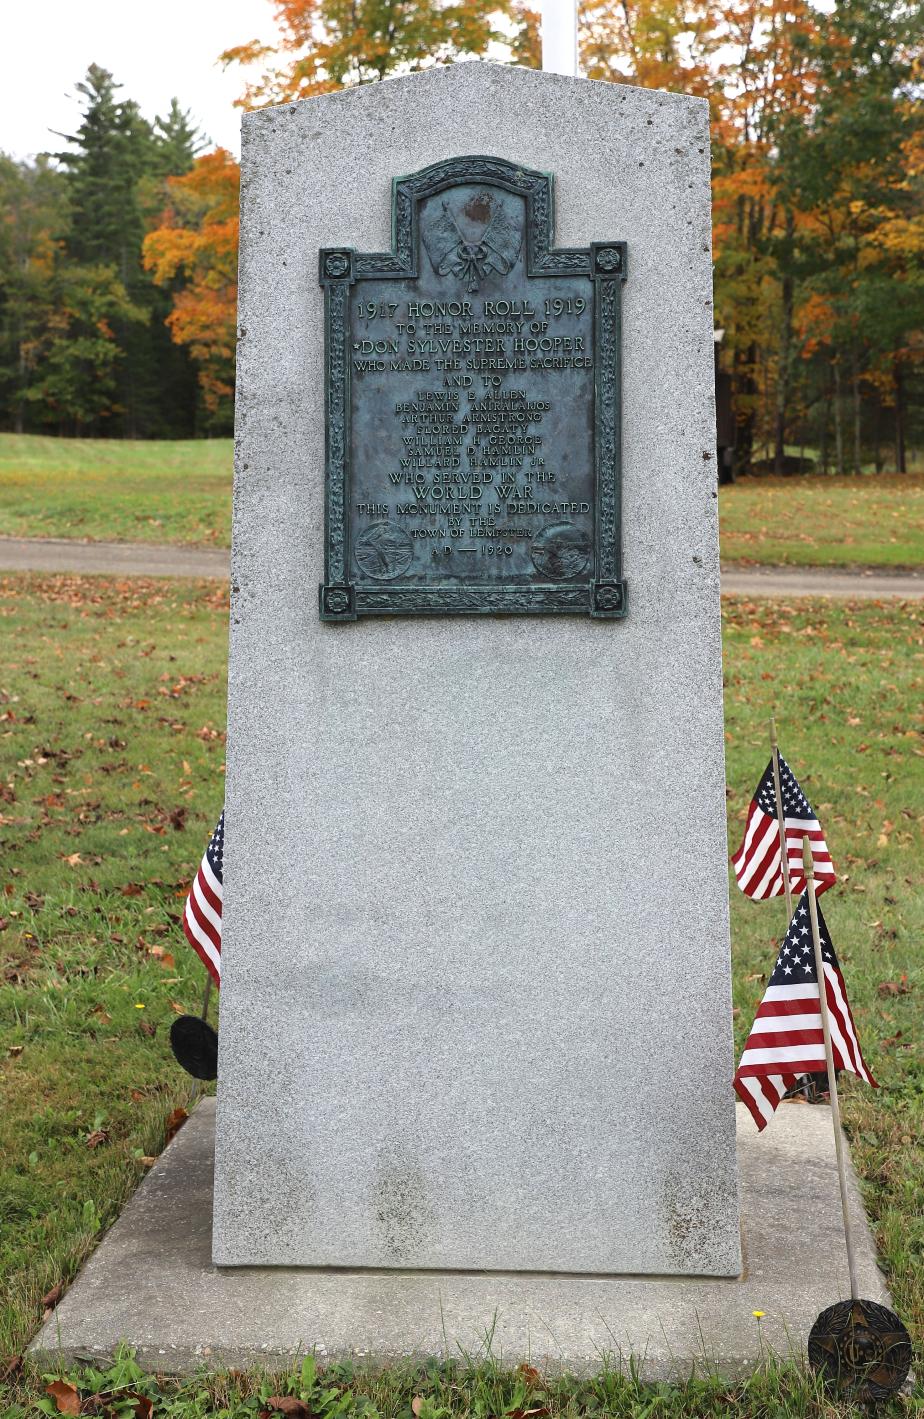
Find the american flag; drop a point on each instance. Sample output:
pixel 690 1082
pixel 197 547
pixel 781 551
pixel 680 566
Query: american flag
pixel 202 913
pixel 757 863
pixel 786 1039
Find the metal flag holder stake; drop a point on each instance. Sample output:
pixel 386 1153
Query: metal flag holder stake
pixel 194 1042
pixel 857 1345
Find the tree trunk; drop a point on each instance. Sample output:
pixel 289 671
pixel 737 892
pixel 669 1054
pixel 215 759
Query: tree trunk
pixel 745 392
pixel 783 373
pixel 824 442
pixel 19 418
pixel 857 411
pixel 838 426
pixel 901 465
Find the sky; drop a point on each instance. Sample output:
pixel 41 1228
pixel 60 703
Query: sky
pixel 154 50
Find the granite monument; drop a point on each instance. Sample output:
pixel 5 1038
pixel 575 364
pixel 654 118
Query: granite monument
pixel 476 982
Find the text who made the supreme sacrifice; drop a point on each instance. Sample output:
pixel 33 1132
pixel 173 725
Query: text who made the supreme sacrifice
pixel 473 407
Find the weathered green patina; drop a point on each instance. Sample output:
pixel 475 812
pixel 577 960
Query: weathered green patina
pixel 473 379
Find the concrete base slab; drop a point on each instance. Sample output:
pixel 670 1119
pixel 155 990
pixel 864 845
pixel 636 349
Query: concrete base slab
pixel 151 1282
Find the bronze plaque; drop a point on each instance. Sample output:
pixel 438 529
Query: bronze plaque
pixel 473 407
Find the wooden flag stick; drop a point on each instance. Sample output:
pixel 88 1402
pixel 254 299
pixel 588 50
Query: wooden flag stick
pixel 809 870
pixel 780 817
pixel 204 1015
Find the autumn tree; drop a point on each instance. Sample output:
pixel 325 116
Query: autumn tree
pixel 657 44
pixel 330 44
pixel 193 253
pixel 323 45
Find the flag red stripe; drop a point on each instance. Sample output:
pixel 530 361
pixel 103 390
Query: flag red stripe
pixel 776 1008
pixel 213 901
pixel 750 1103
pixel 203 922
pixel 211 966
pixel 786 1039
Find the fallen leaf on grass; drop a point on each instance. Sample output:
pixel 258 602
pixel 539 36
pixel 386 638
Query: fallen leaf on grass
pixel 53 1297
pixel 102 1015
pixel 14 1051
pixel 143 1406
pixel 530 1373
pixel 65 1396
pixel 174 1123
pixel 147 1029
pixel 161 954
pixel 287 1404
pixel 9 1367
pixel 73 860
pixel 417 1404
pixel 146 1161
pixel 97 1138
pixel 131 889
pixel 894 987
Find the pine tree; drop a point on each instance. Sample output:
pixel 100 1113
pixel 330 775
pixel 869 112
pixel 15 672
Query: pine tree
pixel 178 141
pixel 115 165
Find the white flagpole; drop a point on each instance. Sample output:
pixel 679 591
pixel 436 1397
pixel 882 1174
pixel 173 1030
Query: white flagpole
pixel 808 868
pixel 559 36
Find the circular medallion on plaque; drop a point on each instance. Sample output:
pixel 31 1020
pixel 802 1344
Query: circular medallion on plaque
pixel 383 552
pixel 561 551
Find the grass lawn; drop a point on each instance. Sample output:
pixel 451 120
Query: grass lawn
pixel 180 492
pixel 115 490
pixel 824 522
pixel 111 703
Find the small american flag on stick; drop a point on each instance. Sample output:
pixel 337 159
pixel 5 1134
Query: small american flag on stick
pixel 787 1037
pixel 202 913
pixel 758 862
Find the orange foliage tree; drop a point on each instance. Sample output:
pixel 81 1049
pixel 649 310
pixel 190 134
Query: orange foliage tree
pixel 194 252
pixel 329 44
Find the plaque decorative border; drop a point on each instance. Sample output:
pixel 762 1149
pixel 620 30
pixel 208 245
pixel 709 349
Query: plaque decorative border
pixel 601 596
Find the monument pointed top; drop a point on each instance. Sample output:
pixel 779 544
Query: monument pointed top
pixel 476 77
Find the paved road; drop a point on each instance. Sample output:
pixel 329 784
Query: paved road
pixel 146 559
pixel 62 554
pixel 819 581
